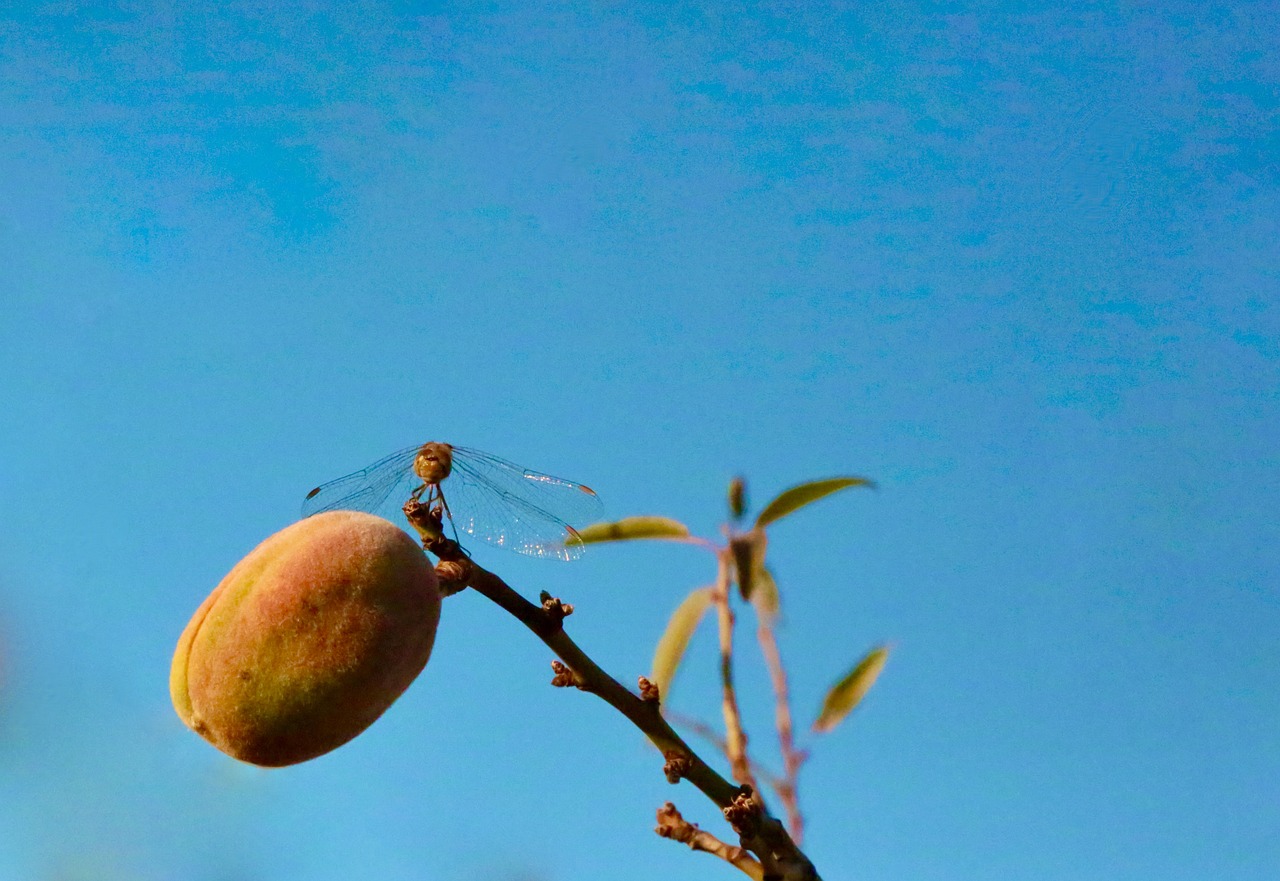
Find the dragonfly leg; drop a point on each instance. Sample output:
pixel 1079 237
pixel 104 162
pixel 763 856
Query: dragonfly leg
pixel 448 513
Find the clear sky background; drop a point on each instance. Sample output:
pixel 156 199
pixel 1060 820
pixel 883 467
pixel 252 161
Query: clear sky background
pixel 1017 264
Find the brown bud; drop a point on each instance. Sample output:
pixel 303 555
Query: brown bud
pixel 308 640
pixel 565 676
pixel 556 610
pixel 744 812
pixel 737 498
pixel 676 765
pixel 649 692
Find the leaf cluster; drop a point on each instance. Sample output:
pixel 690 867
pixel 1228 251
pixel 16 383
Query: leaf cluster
pixel 742 563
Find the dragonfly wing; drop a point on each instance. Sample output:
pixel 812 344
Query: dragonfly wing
pixel 510 523
pixel 510 506
pixel 378 489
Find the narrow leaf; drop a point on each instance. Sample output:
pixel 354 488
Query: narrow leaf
pixel 684 621
pixel 764 594
pixel 799 496
pixel 846 693
pixel 632 528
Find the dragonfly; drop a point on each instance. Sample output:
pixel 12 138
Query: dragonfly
pixel 491 499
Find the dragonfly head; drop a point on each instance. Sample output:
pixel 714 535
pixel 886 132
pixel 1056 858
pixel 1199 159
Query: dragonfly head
pixel 434 462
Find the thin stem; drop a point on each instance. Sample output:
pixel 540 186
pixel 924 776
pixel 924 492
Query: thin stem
pixel 697 541
pixel 672 825
pixel 792 759
pixel 711 736
pixel 700 728
pixel 735 737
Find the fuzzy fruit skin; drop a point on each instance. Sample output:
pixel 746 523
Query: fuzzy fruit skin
pixel 308 640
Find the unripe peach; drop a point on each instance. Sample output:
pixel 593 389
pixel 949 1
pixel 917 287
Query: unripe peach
pixel 307 640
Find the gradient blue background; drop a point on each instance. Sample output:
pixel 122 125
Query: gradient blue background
pixel 1019 264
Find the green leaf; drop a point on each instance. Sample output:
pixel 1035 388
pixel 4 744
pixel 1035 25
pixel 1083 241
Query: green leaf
pixel 846 693
pixel 632 528
pixel 764 594
pixel 684 621
pixel 799 496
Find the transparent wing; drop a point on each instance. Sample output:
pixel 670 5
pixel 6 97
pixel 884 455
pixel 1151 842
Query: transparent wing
pixel 513 507
pixel 382 488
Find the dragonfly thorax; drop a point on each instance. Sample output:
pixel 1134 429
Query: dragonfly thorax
pixel 434 462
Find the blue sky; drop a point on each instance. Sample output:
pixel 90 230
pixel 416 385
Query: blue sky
pixel 1017 264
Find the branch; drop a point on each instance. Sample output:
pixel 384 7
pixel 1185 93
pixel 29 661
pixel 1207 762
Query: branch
pixel 677 828
pixel 762 834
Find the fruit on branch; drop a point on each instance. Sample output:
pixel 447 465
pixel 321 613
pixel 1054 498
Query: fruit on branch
pixel 308 640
